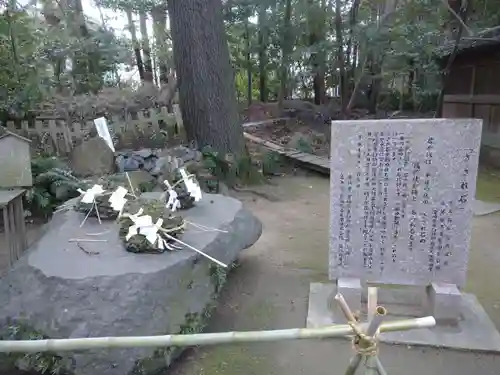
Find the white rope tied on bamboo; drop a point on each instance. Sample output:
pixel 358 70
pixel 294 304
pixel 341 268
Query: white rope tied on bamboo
pixel 370 343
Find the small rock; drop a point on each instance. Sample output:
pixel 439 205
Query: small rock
pixel 150 163
pixel 144 153
pixel 133 163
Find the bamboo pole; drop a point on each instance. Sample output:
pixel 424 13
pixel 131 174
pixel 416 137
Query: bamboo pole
pixel 380 368
pixel 376 321
pixel 371 363
pixel 341 330
pixel 372 301
pixel 346 310
pixel 354 364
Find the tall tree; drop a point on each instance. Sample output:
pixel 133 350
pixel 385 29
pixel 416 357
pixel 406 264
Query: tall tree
pixel 316 26
pixel 248 56
pixel 206 77
pixel 146 48
pixel 286 49
pixel 135 43
pixel 263 40
pixel 159 14
pixel 340 56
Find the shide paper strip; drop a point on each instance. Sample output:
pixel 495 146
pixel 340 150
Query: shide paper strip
pixel 88 197
pixel 102 130
pixel 173 202
pixel 101 126
pixel 118 200
pixel 191 185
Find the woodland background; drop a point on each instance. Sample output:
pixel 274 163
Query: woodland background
pixel 337 54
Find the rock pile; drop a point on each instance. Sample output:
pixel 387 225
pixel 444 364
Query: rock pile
pixel 157 162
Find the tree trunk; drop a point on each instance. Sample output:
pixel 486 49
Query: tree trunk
pixel 206 78
pixel 136 45
pixel 411 84
pixel 376 58
pixel 248 63
pixel 316 22
pixel 371 60
pixel 50 15
pixel 286 50
pixel 146 49
pixel 351 46
pixel 263 32
pixel 85 69
pixel 159 14
pixel 340 57
pixel 90 65
pixel 155 69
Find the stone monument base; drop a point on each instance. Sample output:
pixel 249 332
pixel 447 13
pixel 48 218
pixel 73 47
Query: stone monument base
pixel 473 330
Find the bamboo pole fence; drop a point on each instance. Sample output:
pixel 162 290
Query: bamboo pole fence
pixel 364 337
pixel 341 330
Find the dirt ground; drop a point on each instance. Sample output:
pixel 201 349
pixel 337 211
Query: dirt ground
pixel 270 291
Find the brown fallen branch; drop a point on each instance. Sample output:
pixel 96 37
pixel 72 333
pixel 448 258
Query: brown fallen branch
pixel 86 251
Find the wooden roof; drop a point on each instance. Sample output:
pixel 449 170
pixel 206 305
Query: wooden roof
pixel 5 133
pixel 488 39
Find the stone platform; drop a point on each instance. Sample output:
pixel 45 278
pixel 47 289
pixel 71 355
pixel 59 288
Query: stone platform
pixel 64 289
pixel 474 331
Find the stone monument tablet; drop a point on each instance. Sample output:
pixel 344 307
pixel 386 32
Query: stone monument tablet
pixel 401 199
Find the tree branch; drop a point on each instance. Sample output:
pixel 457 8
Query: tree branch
pixel 459 19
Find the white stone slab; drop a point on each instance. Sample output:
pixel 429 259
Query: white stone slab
pixel 402 194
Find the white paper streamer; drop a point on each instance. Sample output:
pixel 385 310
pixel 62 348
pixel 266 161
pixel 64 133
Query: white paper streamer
pixel 139 222
pixel 90 194
pixel 173 202
pixel 191 185
pixel 151 231
pixel 102 130
pixel 117 199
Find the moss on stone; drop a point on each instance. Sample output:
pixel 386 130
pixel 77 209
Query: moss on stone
pixel 218 276
pixel 42 362
pixel 156 209
pixel 193 322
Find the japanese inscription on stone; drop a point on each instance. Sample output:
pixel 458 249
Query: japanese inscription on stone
pixel 401 199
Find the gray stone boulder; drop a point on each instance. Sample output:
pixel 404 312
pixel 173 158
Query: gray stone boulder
pixel 92 158
pixel 66 289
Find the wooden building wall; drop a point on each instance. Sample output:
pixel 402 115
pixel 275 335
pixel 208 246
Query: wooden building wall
pixel 474 91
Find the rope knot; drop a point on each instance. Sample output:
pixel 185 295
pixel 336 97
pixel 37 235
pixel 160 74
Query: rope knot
pixel 363 344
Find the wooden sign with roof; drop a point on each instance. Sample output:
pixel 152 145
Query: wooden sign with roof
pixel 15 160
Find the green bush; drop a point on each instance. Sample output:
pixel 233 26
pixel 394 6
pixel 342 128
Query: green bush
pixel 53 184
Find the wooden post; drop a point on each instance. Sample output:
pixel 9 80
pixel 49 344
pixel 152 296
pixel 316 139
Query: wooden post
pixel 6 225
pixel 23 241
pixel 11 203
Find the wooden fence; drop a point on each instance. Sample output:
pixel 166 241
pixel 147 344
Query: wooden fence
pixel 57 136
